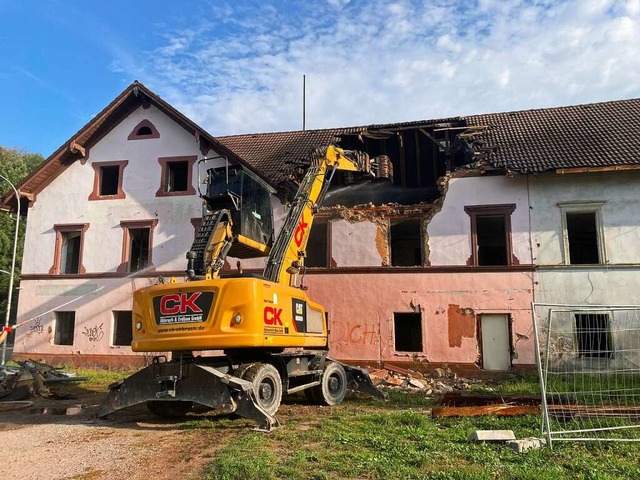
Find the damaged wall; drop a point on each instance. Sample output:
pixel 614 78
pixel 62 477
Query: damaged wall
pixel 358 244
pixel 361 308
pixel 449 231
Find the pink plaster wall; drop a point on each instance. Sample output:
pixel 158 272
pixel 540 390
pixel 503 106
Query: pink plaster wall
pixel 361 308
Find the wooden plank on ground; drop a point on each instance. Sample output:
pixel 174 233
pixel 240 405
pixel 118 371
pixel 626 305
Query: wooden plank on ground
pixel 499 409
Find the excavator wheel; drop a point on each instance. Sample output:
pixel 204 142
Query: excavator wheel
pixel 175 409
pixel 267 385
pixel 333 388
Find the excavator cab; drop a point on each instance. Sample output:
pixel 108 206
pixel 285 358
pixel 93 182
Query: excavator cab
pixel 248 199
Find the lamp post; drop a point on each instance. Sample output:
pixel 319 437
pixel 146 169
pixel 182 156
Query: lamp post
pixel 13 267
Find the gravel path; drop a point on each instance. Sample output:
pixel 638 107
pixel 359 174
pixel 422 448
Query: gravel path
pixel 49 447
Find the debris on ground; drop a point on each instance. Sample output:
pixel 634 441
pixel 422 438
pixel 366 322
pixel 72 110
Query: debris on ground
pixel 492 436
pixel 525 444
pixel 30 378
pixel 439 381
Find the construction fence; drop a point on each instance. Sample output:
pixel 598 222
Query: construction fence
pixel 589 365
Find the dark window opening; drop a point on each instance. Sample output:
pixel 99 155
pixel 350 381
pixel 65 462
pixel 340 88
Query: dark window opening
pixel 594 335
pixel 138 249
pixel 407 332
pixel 109 179
pixel 406 245
pixel 178 177
pixel 70 253
pixel 122 328
pixel 144 131
pixel 583 238
pixel 64 328
pixel 317 246
pixel 491 239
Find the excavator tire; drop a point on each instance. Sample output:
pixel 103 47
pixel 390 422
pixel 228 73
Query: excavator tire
pixel 177 409
pixel 267 385
pixel 333 388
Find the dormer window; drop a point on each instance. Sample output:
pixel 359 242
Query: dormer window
pixel 143 131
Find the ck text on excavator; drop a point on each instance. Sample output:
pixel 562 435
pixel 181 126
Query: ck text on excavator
pixel 274 338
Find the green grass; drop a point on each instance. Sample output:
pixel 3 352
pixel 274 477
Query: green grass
pixel 363 439
pixel 98 380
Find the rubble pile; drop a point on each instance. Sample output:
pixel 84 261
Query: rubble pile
pixel 438 382
pixel 29 379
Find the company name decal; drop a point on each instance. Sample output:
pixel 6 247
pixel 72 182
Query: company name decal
pixel 185 307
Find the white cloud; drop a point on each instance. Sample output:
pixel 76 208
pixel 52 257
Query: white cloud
pixel 385 61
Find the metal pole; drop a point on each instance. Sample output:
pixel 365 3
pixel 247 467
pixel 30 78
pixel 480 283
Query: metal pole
pixel 304 101
pixel 13 268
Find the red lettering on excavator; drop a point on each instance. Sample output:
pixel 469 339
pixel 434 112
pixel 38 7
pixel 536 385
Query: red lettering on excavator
pixel 179 303
pixel 272 316
pixel 301 229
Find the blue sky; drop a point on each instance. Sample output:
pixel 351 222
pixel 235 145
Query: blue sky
pixel 236 66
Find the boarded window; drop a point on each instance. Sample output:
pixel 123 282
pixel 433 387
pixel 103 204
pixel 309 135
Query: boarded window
pixel 582 234
pixel 70 253
pixel 406 245
pixel 407 332
pixel 122 328
pixel 138 248
pixel 64 328
pixel 317 246
pixel 593 332
pixel 109 179
pixel 177 176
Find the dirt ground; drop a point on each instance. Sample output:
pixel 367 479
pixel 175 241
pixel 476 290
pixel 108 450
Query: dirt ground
pixel 43 443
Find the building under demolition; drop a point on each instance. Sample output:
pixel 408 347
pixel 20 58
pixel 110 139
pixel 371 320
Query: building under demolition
pixel 484 215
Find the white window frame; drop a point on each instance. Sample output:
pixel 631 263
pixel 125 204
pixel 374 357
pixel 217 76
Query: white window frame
pixel 582 207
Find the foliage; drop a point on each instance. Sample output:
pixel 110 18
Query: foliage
pixel 15 165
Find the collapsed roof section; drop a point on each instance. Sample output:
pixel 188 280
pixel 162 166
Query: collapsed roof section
pixel 579 138
pixel 420 152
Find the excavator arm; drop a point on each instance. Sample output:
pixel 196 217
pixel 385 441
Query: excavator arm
pixel 287 254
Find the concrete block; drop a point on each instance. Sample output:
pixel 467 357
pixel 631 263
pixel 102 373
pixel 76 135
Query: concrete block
pixel 529 443
pixel 492 436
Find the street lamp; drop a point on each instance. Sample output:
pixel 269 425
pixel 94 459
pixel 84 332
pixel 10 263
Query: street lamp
pixel 13 268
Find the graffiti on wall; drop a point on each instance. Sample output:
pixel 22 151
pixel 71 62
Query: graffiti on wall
pixel 94 334
pixel 37 326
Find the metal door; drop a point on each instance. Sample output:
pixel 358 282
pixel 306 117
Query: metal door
pixel 496 342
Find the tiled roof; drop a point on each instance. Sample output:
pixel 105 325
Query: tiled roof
pixel 592 135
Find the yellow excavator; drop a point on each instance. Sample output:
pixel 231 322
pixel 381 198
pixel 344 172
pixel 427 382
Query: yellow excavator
pixel 273 337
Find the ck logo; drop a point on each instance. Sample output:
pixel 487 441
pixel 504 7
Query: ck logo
pixel 272 316
pixel 301 230
pixel 179 303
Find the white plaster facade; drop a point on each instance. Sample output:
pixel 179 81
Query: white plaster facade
pixel 65 201
pixel 615 281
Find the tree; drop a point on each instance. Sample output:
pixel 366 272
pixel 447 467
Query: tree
pixel 14 165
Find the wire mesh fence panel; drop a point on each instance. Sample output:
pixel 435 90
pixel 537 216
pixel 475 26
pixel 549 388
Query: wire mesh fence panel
pixel 589 365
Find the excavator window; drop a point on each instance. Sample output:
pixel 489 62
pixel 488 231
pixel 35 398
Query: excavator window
pixel 247 197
